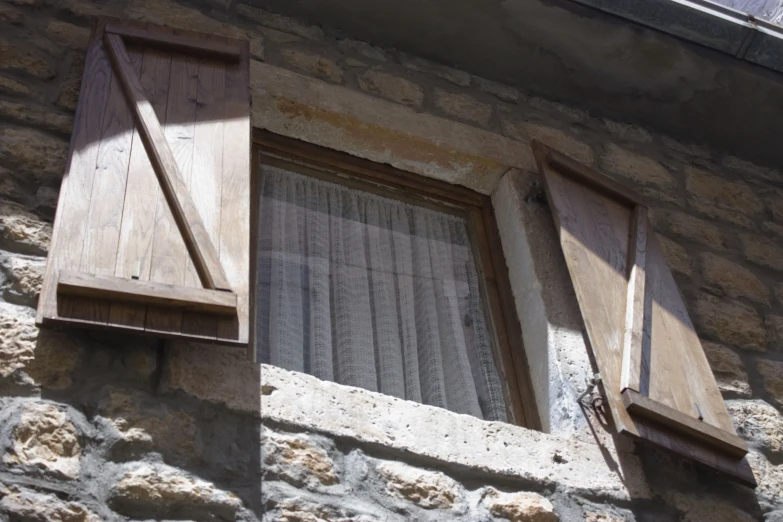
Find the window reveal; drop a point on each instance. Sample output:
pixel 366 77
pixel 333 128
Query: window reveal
pixel 372 292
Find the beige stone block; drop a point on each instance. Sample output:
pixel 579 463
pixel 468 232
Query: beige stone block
pixel 769 478
pixel 775 325
pixel 17 343
pixel 726 214
pixel 9 85
pixel 762 251
pixel 676 256
pixel 31 506
pixel 501 91
pixel 39 153
pixel 222 376
pixel 635 167
pixel 698 507
pixel 23 231
pixel 779 292
pixel 362 48
pixel 625 131
pixel 519 507
pixel 45 440
pixel 392 87
pixel 69 35
pixel 751 169
pixel 20 278
pixel 592 516
pixel 557 109
pixel 427 489
pixel 142 421
pixel 559 140
pixel 734 279
pixel 297 459
pixel 732 322
pixel 689 149
pixel 23 57
pixel 773 228
pixel 56 356
pixel 280 23
pixel 150 490
pixel 772 375
pixel 689 227
pixel 68 95
pixel 728 369
pixel 34 114
pixel 315 64
pixel 10 14
pixel 450 74
pixel 759 423
pixel 344 119
pixel 774 202
pixel 721 198
pixel 463 106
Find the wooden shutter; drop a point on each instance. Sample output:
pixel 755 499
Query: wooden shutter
pixel 655 375
pixel 152 233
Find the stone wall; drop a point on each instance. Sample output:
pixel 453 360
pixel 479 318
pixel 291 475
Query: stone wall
pixel 96 426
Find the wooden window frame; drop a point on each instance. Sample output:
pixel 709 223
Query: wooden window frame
pixel 383 179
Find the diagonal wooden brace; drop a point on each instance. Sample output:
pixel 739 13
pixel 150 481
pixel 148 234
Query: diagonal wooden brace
pixel 203 252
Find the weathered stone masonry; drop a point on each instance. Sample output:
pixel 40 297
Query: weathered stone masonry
pixel 96 426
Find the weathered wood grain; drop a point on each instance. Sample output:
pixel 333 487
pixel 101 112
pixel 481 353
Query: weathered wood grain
pixel 223 49
pixel 634 334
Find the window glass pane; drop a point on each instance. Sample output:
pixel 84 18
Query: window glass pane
pixel 372 292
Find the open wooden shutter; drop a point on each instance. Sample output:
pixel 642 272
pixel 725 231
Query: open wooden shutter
pixel 152 226
pixel 655 375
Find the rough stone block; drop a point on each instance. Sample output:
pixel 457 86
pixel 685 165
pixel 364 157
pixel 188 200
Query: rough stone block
pixel 751 169
pixel 700 508
pixel 636 167
pixel 772 376
pixel 627 132
pixel 22 231
pixel 362 48
pixel 562 141
pixel 721 198
pixel 463 106
pixel 221 376
pixel 280 23
pixel 20 278
pixel 33 114
pixel 38 153
pixel 45 440
pixel 68 96
pixel 775 325
pixel 427 489
pixel 297 459
pixel 770 483
pixel 151 490
pixel 69 35
pixel 728 369
pixel 519 507
pixel 734 279
pixel 17 343
pixel 11 14
pixel 731 321
pixel 142 423
pixel 676 256
pixel 689 227
pixel 558 110
pixel 20 56
pixel 455 76
pixel 13 86
pixel 762 251
pixel 502 92
pixel 315 64
pixel 392 87
pixel 26 505
pixel 760 424
pixel 688 149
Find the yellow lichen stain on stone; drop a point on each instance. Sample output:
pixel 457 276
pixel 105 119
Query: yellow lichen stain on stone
pixel 470 170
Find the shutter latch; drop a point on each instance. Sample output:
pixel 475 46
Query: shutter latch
pixel 592 382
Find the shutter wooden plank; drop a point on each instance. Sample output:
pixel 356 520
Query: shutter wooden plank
pixel 221 49
pixel 147 292
pixel 138 217
pixel 235 194
pixel 636 321
pixel 169 252
pixel 634 337
pixel 207 175
pixel 77 184
pixel 199 245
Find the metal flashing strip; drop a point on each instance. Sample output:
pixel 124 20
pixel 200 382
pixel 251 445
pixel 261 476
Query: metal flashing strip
pixel 712 25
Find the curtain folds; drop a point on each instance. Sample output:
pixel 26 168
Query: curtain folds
pixel 372 292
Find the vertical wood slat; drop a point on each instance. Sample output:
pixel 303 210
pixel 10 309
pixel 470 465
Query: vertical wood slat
pixel 190 224
pixel 207 173
pixel 138 219
pixel 635 304
pixel 235 203
pixel 76 188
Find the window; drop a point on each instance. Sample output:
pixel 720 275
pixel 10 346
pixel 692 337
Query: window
pixel 367 282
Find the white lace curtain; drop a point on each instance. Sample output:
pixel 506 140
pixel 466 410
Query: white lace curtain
pixel 372 292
